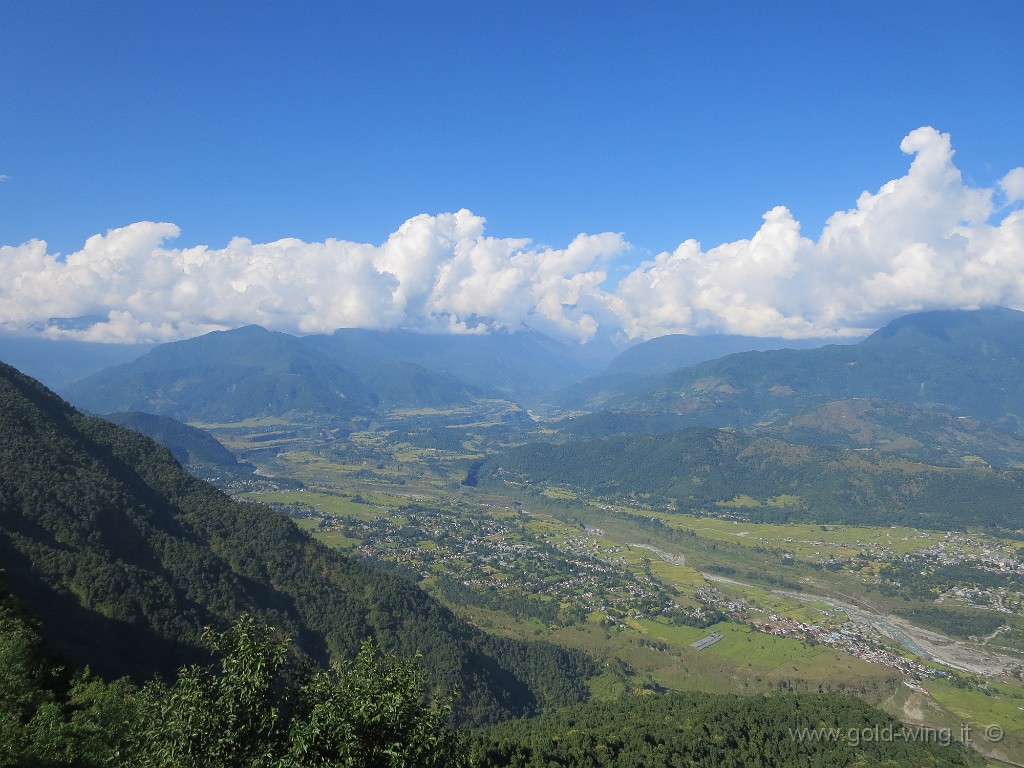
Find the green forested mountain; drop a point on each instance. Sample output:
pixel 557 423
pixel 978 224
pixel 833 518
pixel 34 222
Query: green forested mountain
pixel 701 729
pixel 944 388
pixel 251 372
pixel 643 365
pixel 226 376
pixel 967 363
pixel 927 433
pixel 762 478
pixel 124 557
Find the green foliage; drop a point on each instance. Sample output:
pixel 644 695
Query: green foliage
pixel 713 730
pixel 26 682
pixel 700 469
pixel 261 709
pixel 48 718
pixel 959 623
pixel 260 706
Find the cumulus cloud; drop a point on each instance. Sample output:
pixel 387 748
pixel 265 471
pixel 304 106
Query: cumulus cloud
pixel 924 240
pixel 436 273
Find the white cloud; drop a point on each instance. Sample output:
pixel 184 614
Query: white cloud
pixel 4 177
pixel 435 273
pixel 924 240
pixel 921 241
pixel 1012 185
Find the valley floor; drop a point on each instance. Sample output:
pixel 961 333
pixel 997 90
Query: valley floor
pixel 799 607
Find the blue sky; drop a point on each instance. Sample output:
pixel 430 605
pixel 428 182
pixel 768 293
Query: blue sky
pixel 661 122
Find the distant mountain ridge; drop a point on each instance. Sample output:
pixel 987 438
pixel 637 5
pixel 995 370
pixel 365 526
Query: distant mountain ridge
pixel 928 367
pixel 251 372
pixel 644 363
pixel 968 363
pixel 665 354
pixel 973 361
pixel 520 366
pixel 225 376
pixel 59 363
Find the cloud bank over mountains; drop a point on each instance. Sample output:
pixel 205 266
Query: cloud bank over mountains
pixel 925 240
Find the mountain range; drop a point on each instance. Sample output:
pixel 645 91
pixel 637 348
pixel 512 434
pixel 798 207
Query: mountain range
pixel 646 362
pixel 251 372
pixel 124 557
pixel 970 362
pixel 944 387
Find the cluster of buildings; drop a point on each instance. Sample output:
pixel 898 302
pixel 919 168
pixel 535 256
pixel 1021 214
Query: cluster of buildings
pixel 507 554
pixel 849 638
pixel 502 553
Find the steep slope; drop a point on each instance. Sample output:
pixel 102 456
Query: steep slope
pixel 971 361
pixel 192 447
pixel 124 556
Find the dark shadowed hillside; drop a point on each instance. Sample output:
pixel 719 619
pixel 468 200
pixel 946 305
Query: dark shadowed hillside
pixel 124 557
pixel 192 447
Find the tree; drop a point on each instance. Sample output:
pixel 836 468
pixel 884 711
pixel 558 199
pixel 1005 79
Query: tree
pixel 262 708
